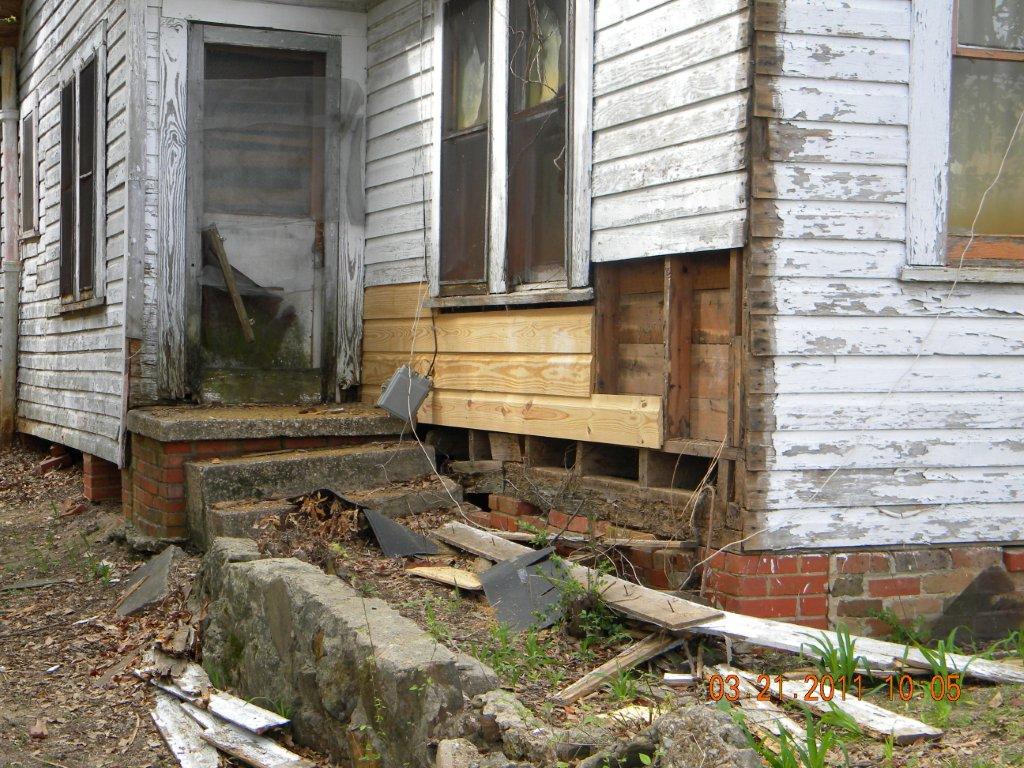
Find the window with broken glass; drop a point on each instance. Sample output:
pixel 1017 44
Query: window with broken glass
pixel 82 101
pixel 505 215
pixel 986 158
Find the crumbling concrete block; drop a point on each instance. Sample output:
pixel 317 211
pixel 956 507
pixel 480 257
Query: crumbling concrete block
pixel 283 631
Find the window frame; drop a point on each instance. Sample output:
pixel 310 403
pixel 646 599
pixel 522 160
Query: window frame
pixel 92 50
pixel 29 156
pixel 579 117
pixel 933 46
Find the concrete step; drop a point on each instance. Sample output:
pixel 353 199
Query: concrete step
pixel 292 473
pixel 237 518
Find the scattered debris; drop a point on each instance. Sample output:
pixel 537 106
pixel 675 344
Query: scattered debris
pixel 258 751
pixel 55 462
pixel 645 650
pixel 878 721
pixel 183 735
pixel 763 716
pixel 32 584
pixel 648 605
pixel 397 540
pixel 38 729
pixel 148 584
pixel 453 577
pixel 679 679
pixel 524 591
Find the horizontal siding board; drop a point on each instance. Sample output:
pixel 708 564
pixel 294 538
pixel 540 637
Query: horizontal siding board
pixel 882 19
pixel 834 219
pixel 828 181
pixel 917 525
pixel 833 58
pixel 822 100
pixel 637 30
pixel 698 233
pixel 672 201
pixel 772 257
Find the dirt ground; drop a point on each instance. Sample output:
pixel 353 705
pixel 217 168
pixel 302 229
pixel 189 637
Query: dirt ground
pixel 68 698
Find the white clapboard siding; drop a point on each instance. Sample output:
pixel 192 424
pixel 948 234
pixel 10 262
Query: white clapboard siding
pixel 882 19
pixel 920 525
pixel 70 367
pixel 781 489
pixel 904 336
pixel 834 219
pixel 798 98
pixel 820 56
pixel 880 449
pixel 827 181
pixel 399 109
pixel 890 298
pixel 817 411
pixel 840 374
pixel 818 142
pixel 671 99
pixel 826 258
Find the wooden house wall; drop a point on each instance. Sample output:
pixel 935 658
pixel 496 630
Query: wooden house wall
pixel 70 367
pixel 869 421
pixel 398 130
pixel 671 92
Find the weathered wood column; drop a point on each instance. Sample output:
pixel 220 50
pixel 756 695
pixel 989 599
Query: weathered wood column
pixel 11 256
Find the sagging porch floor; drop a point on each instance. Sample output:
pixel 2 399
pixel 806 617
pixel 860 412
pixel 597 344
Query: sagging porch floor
pixel 174 423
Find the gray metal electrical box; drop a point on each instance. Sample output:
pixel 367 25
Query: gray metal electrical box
pixel 404 393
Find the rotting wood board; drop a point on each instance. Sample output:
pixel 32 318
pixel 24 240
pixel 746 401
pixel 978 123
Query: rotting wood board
pixel 763 716
pixel 658 608
pixel 182 735
pixel 454 577
pixel 231 708
pixel 638 653
pixel 216 245
pixel 258 751
pixel 878 654
pixel 878 721
pixel 580 538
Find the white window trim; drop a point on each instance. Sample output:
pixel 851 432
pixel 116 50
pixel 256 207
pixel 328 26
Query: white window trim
pixel 94 45
pixel 579 116
pixel 29 109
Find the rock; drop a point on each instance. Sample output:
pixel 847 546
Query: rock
pixel 477 677
pixel 692 735
pixel 506 721
pixel 456 753
pixel 686 737
pixel 147 584
pixel 281 630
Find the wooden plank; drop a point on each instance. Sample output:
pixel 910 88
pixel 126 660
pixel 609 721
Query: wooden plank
pixel 606 341
pixel 257 751
pixel 710 371
pixel 182 735
pixel 564 375
pixel 764 717
pixel 638 653
pixel 215 243
pixel 614 419
pixel 709 419
pixel 227 706
pixel 878 654
pixel 678 323
pixel 658 608
pixel 709 232
pixel 641 369
pixel 579 193
pixel 453 577
pixel 878 721
pixel 172 214
pixel 555 330
pixel 711 313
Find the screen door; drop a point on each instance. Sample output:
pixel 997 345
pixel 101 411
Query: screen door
pixel 264 242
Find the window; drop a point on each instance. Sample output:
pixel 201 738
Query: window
pixel 538 69
pixel 29 184
pixel 510 138
pixel 987 100
pixel 82 158
pixel 464 137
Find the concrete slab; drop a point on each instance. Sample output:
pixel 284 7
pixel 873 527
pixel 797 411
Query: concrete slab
pixel 243 422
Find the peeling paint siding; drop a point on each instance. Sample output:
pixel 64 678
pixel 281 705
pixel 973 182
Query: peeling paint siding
pixel 671 86
pixel 70 366
pixel 398 106
pixel 870 422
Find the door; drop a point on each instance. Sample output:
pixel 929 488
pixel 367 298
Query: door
pixel 263 168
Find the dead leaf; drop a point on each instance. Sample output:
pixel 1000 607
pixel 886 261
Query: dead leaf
pixel 39 730
pixel 996 701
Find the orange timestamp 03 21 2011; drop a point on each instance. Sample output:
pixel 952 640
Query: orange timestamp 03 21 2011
pixel 827 687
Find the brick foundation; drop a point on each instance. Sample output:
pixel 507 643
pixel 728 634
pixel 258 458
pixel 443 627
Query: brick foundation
pixel 977 588
pixel 659 568
pixel 101 478
pixel 153 487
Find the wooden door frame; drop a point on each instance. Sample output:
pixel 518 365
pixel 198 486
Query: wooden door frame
pixel 198 37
